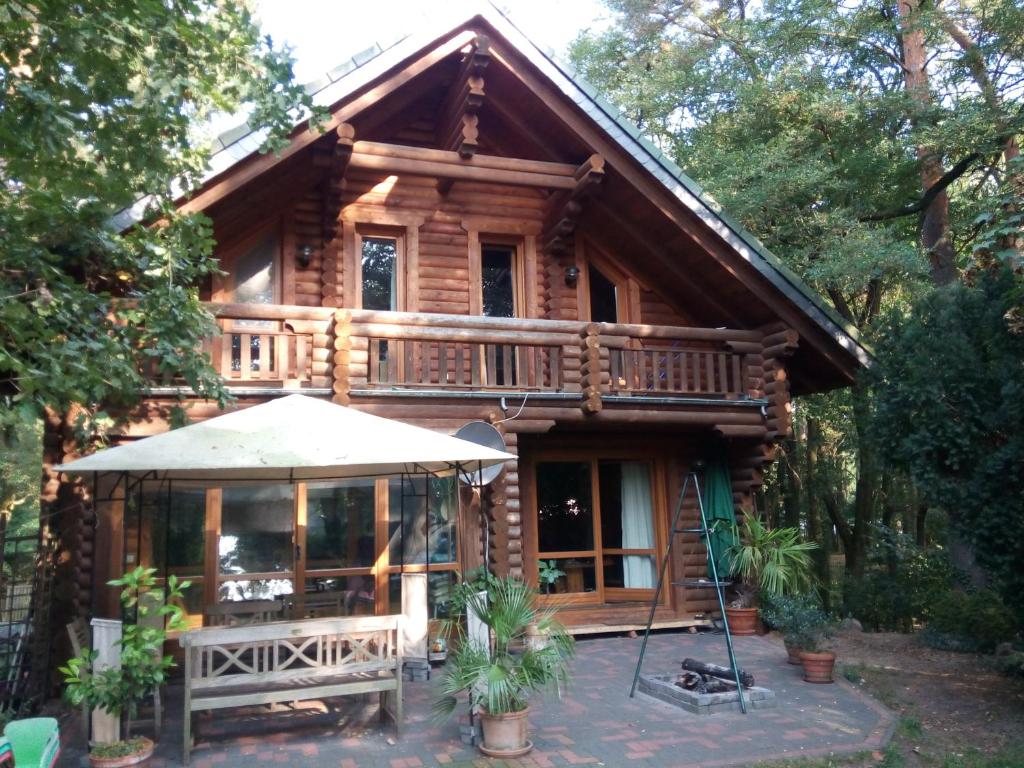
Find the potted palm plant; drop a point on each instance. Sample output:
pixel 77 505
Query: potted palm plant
pixel 771 561
pixel 143 668
pixel 500 678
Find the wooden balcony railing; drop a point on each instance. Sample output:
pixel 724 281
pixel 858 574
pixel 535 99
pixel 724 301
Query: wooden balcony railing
pixel 351 351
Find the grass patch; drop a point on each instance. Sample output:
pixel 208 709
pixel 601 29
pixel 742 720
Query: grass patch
pixel 853 673
pixel 909 727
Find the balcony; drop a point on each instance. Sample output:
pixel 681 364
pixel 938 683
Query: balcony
pixel 363 353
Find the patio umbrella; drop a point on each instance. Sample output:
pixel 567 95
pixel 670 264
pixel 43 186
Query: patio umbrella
pixel 291 438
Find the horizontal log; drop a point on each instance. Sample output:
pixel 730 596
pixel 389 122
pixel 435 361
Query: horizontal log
pixel 269 311
pixel 464 321
pixel 466 335
pixel 477 161
pixel 674 332
pixel 461 170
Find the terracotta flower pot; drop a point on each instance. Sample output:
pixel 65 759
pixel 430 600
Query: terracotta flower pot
pixel 505 734
pixel 141 755
pixel 793 652
pixel 818 666
pixel 742 621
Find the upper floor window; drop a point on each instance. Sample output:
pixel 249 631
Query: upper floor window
pixel 254 272
pixel 603 297
pixel 379 273
pixel 498 280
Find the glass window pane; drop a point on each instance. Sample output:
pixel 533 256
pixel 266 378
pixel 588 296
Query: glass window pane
pixel 580 575
pixel 629 572
pixel 254 273
pixel 171 531
pixel 340 525
pixel 626 505
pixel 379 281
pixel 408 544
pixel 340 596
pixel 439 588
pixel 603 307
pixel 253 589
pixel 257 529
pixel 565 512
pixel 498 281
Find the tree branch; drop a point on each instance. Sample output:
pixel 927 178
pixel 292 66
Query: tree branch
pixel 932 192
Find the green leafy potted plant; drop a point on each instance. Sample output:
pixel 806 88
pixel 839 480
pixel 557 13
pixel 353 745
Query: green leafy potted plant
pixel 766 560
pixel 500 678
pixel 791 615
pixel 809 635
pixel 548 574
pixel 143 668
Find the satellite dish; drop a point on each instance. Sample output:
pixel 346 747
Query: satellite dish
pixel 481 433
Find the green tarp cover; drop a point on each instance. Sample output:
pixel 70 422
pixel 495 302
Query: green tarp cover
pixel 721 519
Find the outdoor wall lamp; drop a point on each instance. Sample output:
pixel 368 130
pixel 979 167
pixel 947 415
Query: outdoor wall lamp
pixel 572 274
pixel 304 255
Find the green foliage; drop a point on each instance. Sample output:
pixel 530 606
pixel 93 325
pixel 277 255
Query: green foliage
pixel 144 666
pixel 971 622
pixel 950 413
pixel 792 615
pixel 117 748
pixel 548 573
pixel 105 107
pixel 502 677
pixel 900 585
pixel 770 561
pixel 21 454
pixel 1012 665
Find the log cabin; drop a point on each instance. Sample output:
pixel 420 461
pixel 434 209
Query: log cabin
pixel 474 235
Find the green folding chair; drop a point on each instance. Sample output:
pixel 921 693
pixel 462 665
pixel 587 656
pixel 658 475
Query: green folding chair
pixel 35 742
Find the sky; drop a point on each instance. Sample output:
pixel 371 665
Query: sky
pixel 325 32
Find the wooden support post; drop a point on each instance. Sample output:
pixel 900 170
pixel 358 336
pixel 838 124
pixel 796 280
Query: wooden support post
pixel 337 161
pixel 590 368
pixel 342 357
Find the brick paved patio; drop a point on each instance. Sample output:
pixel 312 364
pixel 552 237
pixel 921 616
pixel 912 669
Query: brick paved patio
pixel 595 723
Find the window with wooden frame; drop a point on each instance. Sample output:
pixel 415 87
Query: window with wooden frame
pixel 605 293
pixel 380 281
pixel 333 548
pixel 597 520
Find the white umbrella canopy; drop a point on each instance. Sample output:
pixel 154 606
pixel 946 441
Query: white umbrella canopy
pixel 290 438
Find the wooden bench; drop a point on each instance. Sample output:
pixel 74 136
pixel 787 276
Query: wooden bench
pixel 292 661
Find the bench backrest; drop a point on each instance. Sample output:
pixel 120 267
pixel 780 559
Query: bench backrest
pixel 291 650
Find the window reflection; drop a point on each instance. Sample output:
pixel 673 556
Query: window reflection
pixel 408 503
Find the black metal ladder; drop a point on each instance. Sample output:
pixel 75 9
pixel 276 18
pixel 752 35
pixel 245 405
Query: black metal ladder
pixel 715 583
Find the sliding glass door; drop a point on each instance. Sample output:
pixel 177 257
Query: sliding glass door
pixel 596 524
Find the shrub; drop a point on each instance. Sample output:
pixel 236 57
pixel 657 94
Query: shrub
pixel 972 622
pixel 901 584
pixel 1012 665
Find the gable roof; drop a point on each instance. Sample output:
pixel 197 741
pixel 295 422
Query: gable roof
pixel 240 143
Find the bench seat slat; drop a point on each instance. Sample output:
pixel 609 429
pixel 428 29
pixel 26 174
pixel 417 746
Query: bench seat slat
pixel 290 676
pixel 233 697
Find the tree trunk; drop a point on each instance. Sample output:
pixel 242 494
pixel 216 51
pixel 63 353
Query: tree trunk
pixel 934 229
pixel 817 532
pixel 919 523
pixel 789 480
pixel 866 489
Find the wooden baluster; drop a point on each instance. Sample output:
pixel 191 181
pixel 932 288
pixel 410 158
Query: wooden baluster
pixel 723 373
pixel 555 368
pixel 373 367
pixel 614 369
pixel 737 379
pixel 508 372
pixel 537 368
pixel 245 352
pixel 460 370
pixel 426 348
pixel 475 355
pixel 709 372
pixel 641 369
pixel 442 364
pixel 492 364
pixel 301 357
pixel 227 370
pixel 281 357
pixel 684 373
pixel 627 358
pixel 670 371
pixel 410 365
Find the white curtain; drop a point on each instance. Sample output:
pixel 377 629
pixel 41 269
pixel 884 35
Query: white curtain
pixel 637 525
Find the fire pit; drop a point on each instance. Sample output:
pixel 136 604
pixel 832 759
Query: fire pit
pixel 705 689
